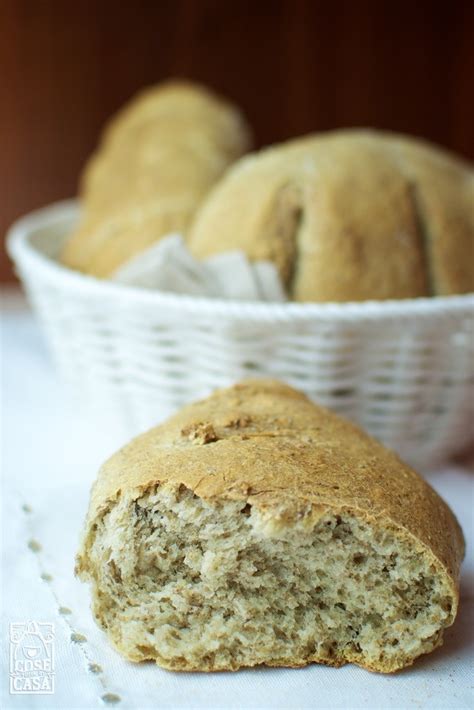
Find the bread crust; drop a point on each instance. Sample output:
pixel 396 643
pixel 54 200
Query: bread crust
pixel 264 443
pixel 156 161
pixel 380 216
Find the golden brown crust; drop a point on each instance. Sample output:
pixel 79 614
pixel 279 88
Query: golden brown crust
pixel 263 442
pixel 157 160
pixel 443 189
pixel 372 215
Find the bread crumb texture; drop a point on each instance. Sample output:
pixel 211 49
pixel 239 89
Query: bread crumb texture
pixel 256 528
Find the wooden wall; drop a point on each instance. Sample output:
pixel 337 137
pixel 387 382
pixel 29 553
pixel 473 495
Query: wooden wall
pixel 293 65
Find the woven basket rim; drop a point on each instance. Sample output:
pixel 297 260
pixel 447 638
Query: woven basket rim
pixel 32 259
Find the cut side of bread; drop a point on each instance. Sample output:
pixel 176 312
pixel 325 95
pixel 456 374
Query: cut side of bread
pixel 256 528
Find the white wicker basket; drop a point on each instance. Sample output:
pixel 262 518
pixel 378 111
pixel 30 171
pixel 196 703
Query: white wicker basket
pixel 403 369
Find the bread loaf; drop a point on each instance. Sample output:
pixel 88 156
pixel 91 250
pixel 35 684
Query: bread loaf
pixel 350 215
pixel 255 527
pixel 157 160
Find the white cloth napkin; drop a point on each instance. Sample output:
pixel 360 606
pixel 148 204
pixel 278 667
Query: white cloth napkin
pixel 48 466
pixel 168 265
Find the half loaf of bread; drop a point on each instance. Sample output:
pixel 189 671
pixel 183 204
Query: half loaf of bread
pixel 157 160
pixel 256 528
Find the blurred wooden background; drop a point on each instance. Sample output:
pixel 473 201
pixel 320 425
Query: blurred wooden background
pixel 293 65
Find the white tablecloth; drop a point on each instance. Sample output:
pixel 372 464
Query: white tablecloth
pixel 49 461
